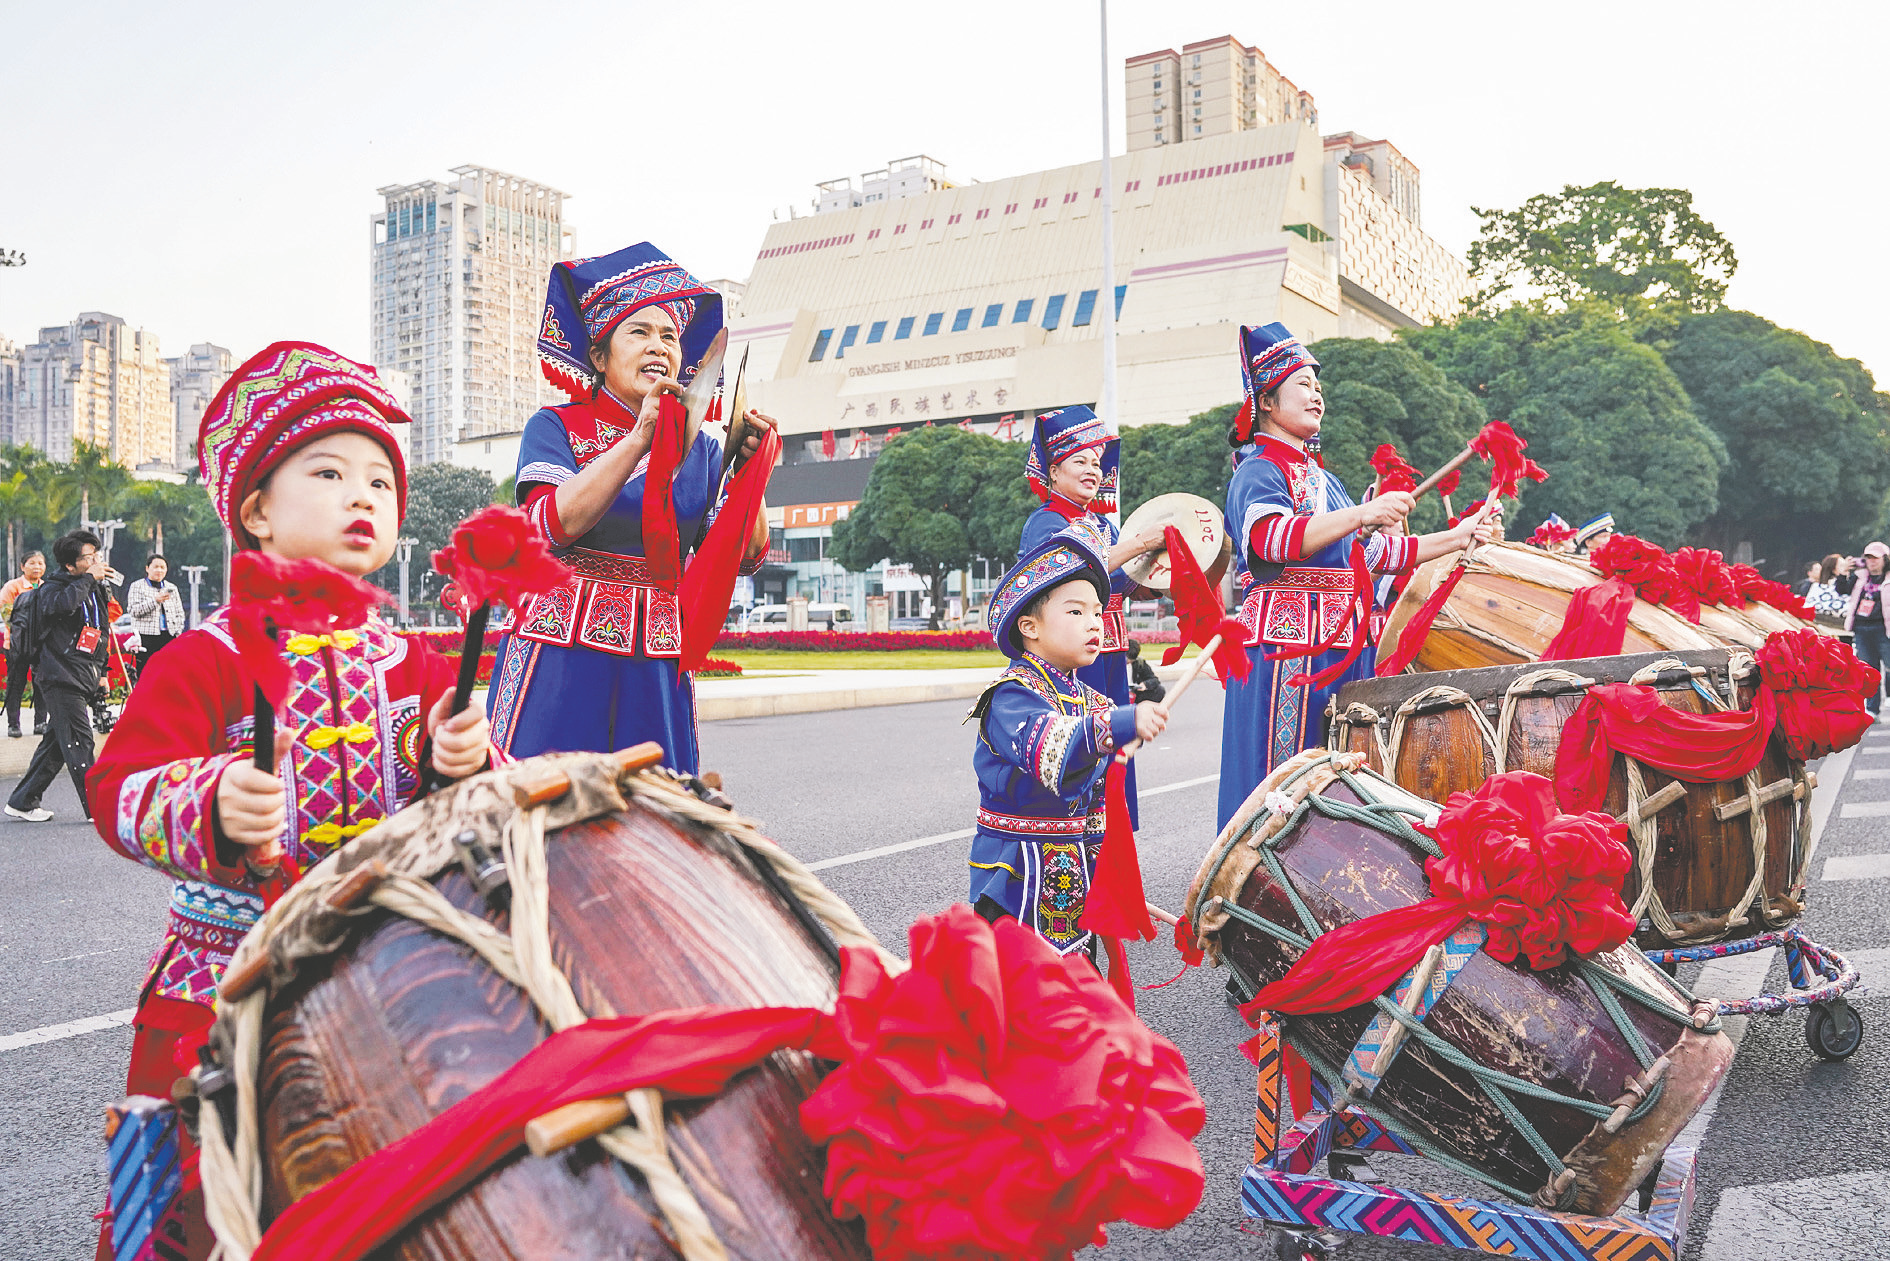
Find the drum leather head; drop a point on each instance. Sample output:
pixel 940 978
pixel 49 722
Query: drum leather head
pixel 1201 525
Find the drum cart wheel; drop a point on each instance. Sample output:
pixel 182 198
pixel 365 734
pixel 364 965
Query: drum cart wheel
pixel 1834 1030
pixel 1820 976
pixel 1301 1243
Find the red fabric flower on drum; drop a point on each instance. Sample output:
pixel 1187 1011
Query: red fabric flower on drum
pixel 1543 882
pixel 998 1100
pixel 1504 448
pixel 1393 472
pixel 1649 570
pixel 1820 688
pixel 496 554
pixel 270 595
pixel 1756 587
pixel 1706 574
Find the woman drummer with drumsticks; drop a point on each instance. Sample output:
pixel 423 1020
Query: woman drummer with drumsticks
pixel 1072 467
pixel 1305 556
pixel 626 502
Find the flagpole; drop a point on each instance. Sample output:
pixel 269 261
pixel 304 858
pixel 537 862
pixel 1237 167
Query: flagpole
pixel 1108 400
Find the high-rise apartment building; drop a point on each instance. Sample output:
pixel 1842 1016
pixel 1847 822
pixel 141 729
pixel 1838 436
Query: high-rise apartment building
pixel 195 378
pixel 458 289
pixel 96 380
pixel 1208 89
pixel 9 386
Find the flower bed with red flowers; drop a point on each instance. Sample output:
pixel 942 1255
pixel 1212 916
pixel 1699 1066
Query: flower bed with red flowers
pixel 852 641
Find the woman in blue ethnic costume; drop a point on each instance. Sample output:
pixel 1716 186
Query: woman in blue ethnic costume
pixel 1045 739
pixel 594 665
pixel 1073 467
pixel 1302 564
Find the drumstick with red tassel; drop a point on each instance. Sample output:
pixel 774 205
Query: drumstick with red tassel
pixel 1118 906
pixel 494 554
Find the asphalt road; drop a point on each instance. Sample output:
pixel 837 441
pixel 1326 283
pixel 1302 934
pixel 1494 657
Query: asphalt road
pixel 1795 1159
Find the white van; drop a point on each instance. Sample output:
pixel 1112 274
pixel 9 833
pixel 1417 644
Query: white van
pixel 774 617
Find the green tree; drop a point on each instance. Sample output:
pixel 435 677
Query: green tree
pixel 1379 392
pixel 1807 434
pixel 152 508
pixel 1631 248
pixel 1191 458
pixel 1601 412
pixel 506 493
pixel 926 490
pixel 92 477
pixel 439 497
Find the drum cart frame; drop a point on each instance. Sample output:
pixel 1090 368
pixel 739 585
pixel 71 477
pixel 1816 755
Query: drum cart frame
pixel 1284 1189
pixel 1833 1028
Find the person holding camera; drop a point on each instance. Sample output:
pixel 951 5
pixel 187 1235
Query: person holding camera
pixel 68 630
pixel 1865 617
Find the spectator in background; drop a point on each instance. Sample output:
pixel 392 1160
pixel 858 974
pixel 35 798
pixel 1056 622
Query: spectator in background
pixel 1820 588
pixel 32 573
pixel 70 628
pixel 1865 617
pixel 156 608
pixel 1143 685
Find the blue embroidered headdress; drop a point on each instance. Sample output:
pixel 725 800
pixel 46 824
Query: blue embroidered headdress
pixel 1603 524
pixel 588 297
pixel 1075 551
pixel 1061 434
pixel 1269 355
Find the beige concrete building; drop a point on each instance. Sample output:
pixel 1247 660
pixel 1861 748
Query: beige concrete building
pixel 10 369
pixel 458 288
pixel 910 299
pixel 195 378
pixel 96 380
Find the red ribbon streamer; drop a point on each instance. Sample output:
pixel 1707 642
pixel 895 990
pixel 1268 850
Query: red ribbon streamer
pixel 1357 616
pixel 1594 624
pixel 1624 718
pixel 662 550
pixel 1544 883
pixel 1199 616
pixel 994 1099
pixel 709 582
pixel 1117 905
pixel 1411 638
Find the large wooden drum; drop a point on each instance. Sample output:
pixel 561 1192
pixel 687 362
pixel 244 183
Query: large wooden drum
pixel 1708 865
pixel 1510 604
pixel 648 911
pixel 1550 1028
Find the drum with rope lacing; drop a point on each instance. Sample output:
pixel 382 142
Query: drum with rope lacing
pixel 1712 861
pixel 1563 1085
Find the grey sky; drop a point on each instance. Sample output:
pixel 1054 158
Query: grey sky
pixel 207 170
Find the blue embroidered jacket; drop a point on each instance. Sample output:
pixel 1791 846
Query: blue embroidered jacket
pixel 1044 744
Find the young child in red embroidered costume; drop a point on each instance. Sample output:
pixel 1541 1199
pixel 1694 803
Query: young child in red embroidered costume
pixel 299 453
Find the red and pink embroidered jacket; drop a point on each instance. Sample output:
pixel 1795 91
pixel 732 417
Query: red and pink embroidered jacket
pixel 357 705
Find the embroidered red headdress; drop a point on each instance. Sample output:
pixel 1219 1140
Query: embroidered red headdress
pixel 278 400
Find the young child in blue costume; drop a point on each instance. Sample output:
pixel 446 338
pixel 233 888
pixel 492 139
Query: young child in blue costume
pixel 1045 739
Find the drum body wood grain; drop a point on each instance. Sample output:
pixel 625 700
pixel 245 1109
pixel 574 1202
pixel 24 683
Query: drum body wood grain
pixel 1428 727
pixel 1546 1027
pixel 404 1022
pixel 1511 602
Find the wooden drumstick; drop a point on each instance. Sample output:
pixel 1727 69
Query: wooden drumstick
pixel 574 1122
pixel 1189 674
pixel 1455 462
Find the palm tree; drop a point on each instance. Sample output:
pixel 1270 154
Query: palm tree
pixel 16 495
pixel 150 508
pixel 93 475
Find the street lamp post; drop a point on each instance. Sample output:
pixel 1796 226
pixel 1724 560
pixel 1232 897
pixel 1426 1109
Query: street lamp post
pixel 403 548
pixel 195 573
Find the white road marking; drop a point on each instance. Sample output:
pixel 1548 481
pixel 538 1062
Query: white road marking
pixel 1873 772
pixel 1797 1219
pixel 90 954
pixel 70 1029
pixel 1858 866
pixel 1864 810
pixel 963 834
